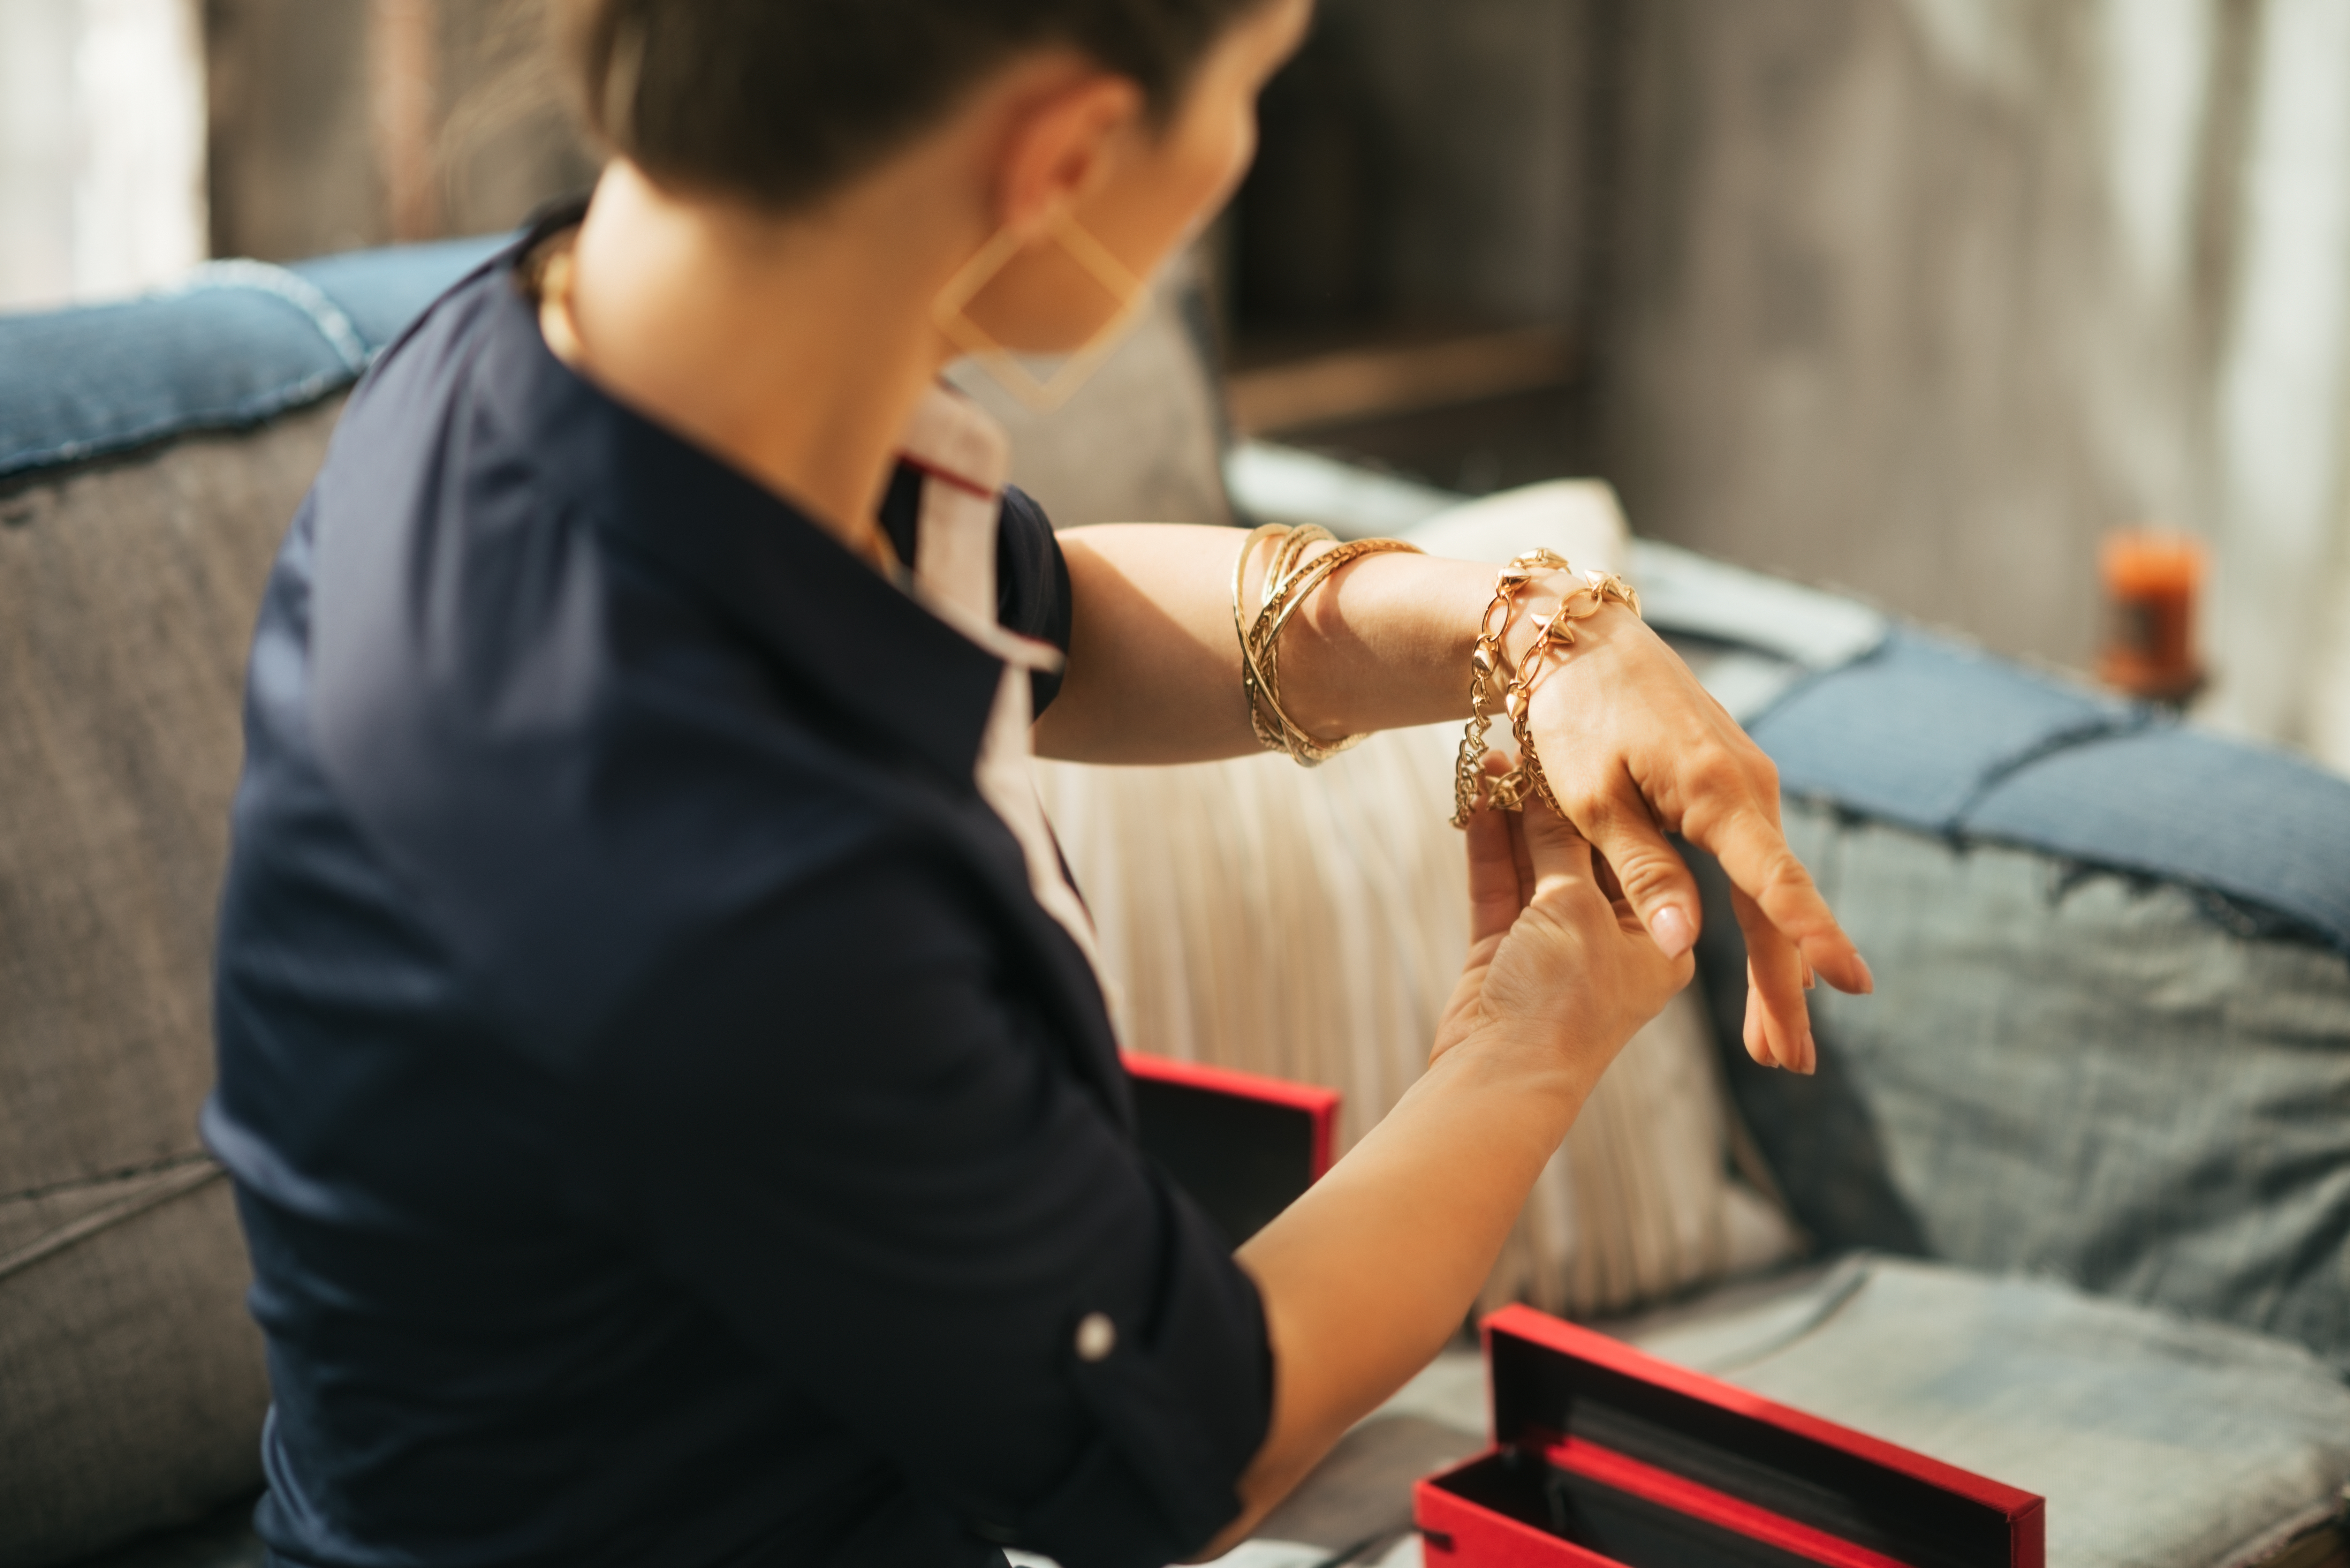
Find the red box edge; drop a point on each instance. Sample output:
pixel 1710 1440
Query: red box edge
pixel 2025 1512
pixel 1434 1509
pixel 1438 1512
pixel 1320 1103
pixel 2029 1532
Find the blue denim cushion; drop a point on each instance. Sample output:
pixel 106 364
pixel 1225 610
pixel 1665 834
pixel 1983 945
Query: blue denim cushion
pixel 234 344
pixel 383 290
pixel 2071 1072
pixel 2255 823
pixel 1915 731
pixel 1945 739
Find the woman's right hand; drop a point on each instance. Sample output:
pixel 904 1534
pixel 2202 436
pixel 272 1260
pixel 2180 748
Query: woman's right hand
pixel 1556 952
pixel 1365 1277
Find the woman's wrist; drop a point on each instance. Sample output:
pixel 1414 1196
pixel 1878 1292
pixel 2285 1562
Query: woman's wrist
pixel 1576 684
pixel 1544 1060
pixel 1386 645
pixel 1387 642
pixel 1542 599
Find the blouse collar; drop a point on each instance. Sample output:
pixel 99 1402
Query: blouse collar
pixel 934 656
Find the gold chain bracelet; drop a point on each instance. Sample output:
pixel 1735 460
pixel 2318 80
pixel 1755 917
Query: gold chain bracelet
pixel 1290 578
pixel 1555 634
pixel 1491 658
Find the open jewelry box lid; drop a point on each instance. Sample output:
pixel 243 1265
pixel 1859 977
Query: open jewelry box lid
pixel 1604 1455
pixel 1245 1146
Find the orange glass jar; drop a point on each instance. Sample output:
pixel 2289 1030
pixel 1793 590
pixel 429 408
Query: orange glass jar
pixel 2152 581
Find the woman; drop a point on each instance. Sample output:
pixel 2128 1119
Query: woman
pixel 673 1112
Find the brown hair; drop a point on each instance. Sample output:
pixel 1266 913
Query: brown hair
pixel 778 102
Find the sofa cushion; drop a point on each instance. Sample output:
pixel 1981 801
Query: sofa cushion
pixel 2158 1442
pixel 132 590
pixel 136 1383
pixel 1311 925
pixel 134 1377
pixel 2094 1076
pixel 2111 1039
pixel 2257 825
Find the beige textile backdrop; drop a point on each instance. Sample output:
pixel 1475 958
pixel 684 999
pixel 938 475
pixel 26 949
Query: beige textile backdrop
pixel 1922 295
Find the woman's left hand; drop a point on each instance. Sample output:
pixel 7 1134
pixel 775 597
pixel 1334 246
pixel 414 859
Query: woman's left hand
pixel 1635 749
pixel 1632 745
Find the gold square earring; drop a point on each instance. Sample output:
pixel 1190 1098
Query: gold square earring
pixel 950 313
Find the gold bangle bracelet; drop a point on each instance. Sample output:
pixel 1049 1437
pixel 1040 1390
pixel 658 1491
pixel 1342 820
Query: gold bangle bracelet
pixel 1289 579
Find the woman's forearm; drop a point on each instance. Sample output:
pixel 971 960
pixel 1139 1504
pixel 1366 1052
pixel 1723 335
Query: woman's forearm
pixel 1366 1276
pixel 1154 672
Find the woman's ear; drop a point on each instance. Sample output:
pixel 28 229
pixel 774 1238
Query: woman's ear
pixel 1061 145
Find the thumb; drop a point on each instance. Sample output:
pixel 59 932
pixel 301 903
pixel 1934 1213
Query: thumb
pixel 1496 892
pixel 1561 856
pixel 1656 882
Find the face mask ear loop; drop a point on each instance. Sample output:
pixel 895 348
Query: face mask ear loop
pixel 950 313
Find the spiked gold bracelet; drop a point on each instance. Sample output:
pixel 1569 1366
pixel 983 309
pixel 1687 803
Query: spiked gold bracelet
pixel 1491 660
pixel 1554 635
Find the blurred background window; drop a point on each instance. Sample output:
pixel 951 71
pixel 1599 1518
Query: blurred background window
pixel 102 147
pixel 340 123
pixel 1407 273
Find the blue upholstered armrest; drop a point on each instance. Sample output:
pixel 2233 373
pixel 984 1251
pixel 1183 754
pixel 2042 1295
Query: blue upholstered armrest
pixel 1946 739
pixel 233 344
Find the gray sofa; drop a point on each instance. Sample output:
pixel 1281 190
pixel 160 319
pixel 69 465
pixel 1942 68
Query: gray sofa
pixel 2078 1176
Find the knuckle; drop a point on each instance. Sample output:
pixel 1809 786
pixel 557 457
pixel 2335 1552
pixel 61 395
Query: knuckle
pixel 1785 875
pixel 1720 775
pixel 1598 809
pixel 1646 876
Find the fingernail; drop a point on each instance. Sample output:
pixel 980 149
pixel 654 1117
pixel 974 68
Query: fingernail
pixel 1868 976
pixel 1811 1054
pixel 1811 981
pixel 1673 932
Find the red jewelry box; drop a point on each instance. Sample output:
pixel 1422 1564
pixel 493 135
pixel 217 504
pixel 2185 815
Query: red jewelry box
pixel 1243 1145
pixel 1606 1457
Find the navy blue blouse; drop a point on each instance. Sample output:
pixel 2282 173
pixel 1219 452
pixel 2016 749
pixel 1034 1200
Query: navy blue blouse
pixel 667 1126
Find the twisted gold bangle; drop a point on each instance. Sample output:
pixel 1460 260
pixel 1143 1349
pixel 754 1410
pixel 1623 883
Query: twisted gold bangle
pixel 1289 580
